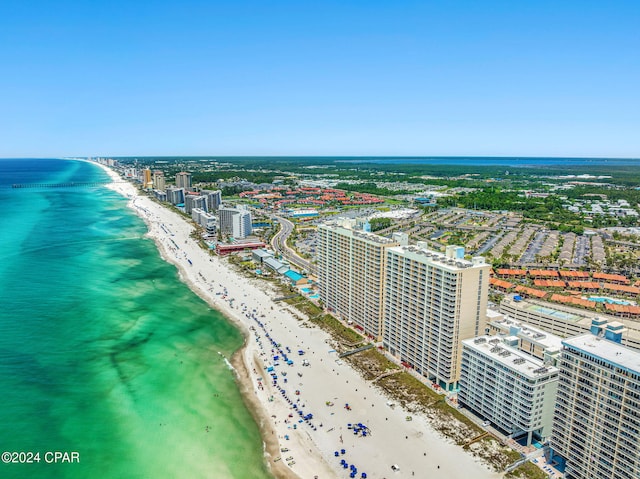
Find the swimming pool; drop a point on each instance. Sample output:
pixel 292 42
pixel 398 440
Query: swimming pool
pixel 602 299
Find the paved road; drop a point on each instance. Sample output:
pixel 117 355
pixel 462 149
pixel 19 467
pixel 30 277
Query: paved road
pixel 581 250
pixel 279 245
pixel 534 247
pixel 489 244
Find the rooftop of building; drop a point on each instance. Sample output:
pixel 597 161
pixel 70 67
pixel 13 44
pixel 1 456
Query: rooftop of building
pixel 576 316
pixel 547 309
pixel 432 257
pixel 511 357
pixel 610 351
pixel 360 233
pixel 263 253
pixel 531 333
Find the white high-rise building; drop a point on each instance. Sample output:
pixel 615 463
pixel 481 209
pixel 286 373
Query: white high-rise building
pixel 596 427
pixel 234 222
pixel 241 224
pixel 204 219
pixel 515 391
pixel 351 274
pixel 433 302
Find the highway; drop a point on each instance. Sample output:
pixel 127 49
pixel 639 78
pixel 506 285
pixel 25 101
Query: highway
pixel 279 245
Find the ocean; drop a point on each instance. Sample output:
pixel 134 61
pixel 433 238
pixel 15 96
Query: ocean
pixel 104 353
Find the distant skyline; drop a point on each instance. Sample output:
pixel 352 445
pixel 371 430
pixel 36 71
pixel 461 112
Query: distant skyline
pixel 330 78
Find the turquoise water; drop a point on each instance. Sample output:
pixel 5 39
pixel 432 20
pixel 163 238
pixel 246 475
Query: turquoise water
pixel 602 299
pixel 103 351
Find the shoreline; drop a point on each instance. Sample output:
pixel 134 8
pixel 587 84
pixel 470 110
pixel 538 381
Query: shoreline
pixel 310 444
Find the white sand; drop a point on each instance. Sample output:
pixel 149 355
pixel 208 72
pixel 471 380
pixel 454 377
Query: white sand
pixel 414 446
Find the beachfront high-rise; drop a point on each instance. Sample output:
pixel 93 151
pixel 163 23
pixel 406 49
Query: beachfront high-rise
pixel 158 180
pixel 596 427
pixel 175 196
pixel 351 273
pixel 194 201
pixel 235 222
pixel 515 391
pixel 214 199
pixel 183 180
pixel 432 302
pixel 241 224
pixel 146 178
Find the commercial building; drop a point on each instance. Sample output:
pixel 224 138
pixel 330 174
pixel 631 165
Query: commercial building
pixel 275 265
pixel 183 180
pixel 431 303
pixel 351 268
pixel 260 255
pixel 515 391
pixel 238 246
pixel 596 428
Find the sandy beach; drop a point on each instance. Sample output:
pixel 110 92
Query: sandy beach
pixel 297 445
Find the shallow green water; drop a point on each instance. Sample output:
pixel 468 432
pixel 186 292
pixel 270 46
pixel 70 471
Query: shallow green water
pixel 103 351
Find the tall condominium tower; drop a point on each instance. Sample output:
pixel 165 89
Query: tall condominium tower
pixel 596 426
pixel 175 196
pixel 214 199
pixel 183 180
pixel 194 201
pixel 146 178
pixel 234 222
pixel 241 224
pixel 158 180
pixel 351 273
pixel 512 389
pixel 432 302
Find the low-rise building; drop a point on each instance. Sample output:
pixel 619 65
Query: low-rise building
pixel 564 321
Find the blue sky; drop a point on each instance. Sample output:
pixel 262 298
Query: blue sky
pixel 503 78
